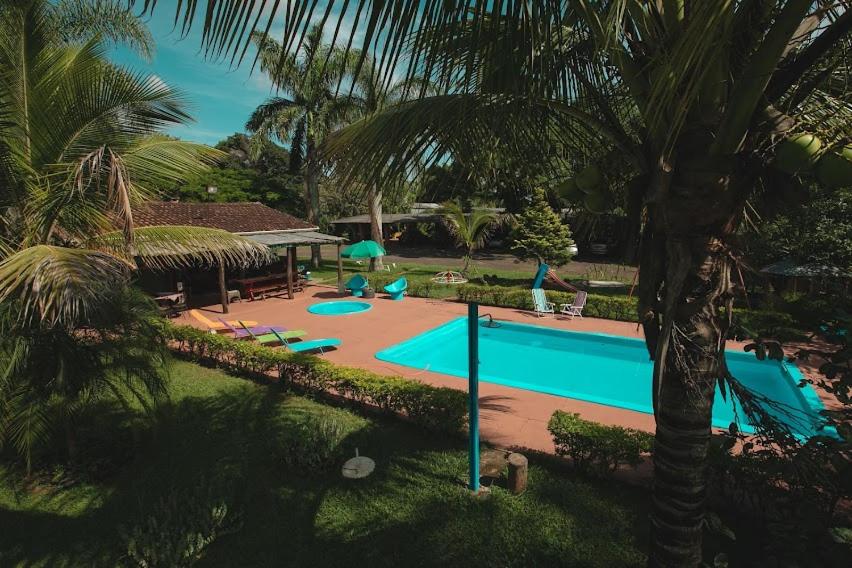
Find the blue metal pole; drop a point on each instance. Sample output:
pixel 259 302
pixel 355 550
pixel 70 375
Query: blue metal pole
pixel 473 392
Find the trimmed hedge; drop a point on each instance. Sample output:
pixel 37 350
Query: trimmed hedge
pixel 606 307
pixel 420 288
pixel 747 323
pixel 435 408
pixel 597 448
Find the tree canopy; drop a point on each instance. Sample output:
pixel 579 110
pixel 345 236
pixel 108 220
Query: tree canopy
pixel 539 233
pixel 243 175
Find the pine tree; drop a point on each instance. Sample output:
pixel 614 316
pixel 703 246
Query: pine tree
pixel 541 234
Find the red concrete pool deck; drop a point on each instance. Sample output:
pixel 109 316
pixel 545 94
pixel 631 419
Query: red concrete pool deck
pixel 509 417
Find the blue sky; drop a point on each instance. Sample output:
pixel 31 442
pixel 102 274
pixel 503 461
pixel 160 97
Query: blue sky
pixel 221 99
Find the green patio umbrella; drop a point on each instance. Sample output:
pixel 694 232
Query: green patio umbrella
pixel 363 249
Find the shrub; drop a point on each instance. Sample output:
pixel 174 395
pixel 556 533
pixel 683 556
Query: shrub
pixel 438 409
pixel 313 444
pixel 177 530
pixel 606 307
pixel 765 324
pixel 594 447
pixel 420 288
pixel 540 233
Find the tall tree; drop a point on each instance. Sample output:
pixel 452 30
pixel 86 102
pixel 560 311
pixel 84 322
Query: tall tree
pixel 694 95
pixel 311 109
pixel 371 97
pixel 539 233
pixel 79 149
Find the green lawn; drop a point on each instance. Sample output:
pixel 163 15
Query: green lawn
pixel 411 512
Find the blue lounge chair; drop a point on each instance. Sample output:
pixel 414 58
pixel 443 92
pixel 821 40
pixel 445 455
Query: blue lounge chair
pixel 312 345
pixel 357 284
pixel 397 288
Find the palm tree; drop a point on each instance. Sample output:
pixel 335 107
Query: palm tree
pixel 470 229
pixel 310 111
pixel 79 149
pixel 692 96
pixel 370 98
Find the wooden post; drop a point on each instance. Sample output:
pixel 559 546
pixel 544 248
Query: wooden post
pixel 291 252
pixel 340 289
pixel 223 288
pixel 518 473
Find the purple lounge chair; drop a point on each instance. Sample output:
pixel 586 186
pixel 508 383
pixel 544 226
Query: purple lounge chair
pixel 246 334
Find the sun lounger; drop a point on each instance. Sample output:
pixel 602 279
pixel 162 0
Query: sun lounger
pixel 271 335
pixel 576 307
pixel 312 345
pixel 540 304
pixel 245 330
pixel 216 326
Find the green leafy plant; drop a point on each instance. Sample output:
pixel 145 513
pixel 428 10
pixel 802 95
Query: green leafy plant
pixel 437 409
pixel 314 444
pixel 177 530
pixel 766 324
pixel 52 373
pixel 81 147
pixel 470 228
pixel 539 233
pixel 597 448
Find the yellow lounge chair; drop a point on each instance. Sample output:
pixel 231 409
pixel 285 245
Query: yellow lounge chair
pixel 215 326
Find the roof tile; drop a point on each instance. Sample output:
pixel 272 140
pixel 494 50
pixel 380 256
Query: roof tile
pixel 231 217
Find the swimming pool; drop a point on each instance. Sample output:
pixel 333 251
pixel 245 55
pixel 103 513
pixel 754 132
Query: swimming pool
pixel 605 369
pixel 339 308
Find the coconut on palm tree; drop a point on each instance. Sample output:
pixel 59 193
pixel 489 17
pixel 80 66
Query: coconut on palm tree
pixel 80 148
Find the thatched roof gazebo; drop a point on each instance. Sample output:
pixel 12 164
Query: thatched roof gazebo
pixel 811 271
pixel 280 232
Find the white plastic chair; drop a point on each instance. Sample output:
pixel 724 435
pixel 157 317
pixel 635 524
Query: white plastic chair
pixel 575 308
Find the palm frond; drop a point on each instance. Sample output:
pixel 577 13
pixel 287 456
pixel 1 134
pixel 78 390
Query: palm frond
pixel 461 126
pixel 49 373
pixel 59 286
pixel 159 162
pixel 81 20
pixel 172 247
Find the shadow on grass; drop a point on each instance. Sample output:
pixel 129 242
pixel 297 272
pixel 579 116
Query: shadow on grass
pixel 412 511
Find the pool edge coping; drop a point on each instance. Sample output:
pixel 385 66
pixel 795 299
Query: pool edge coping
pixel 807 393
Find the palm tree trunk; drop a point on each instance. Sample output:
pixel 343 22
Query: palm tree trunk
pixel 374 196
pixel 688 351
pixel 468 256
pixel 635 193
pixel 312 204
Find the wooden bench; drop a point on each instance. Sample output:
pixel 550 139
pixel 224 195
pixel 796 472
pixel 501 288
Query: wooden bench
pixel 263 286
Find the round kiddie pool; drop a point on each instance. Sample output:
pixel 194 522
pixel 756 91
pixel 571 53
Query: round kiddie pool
pixel 339 308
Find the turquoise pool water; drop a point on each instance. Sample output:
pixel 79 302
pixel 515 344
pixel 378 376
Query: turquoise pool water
pixel 339 308
pixel 599 368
